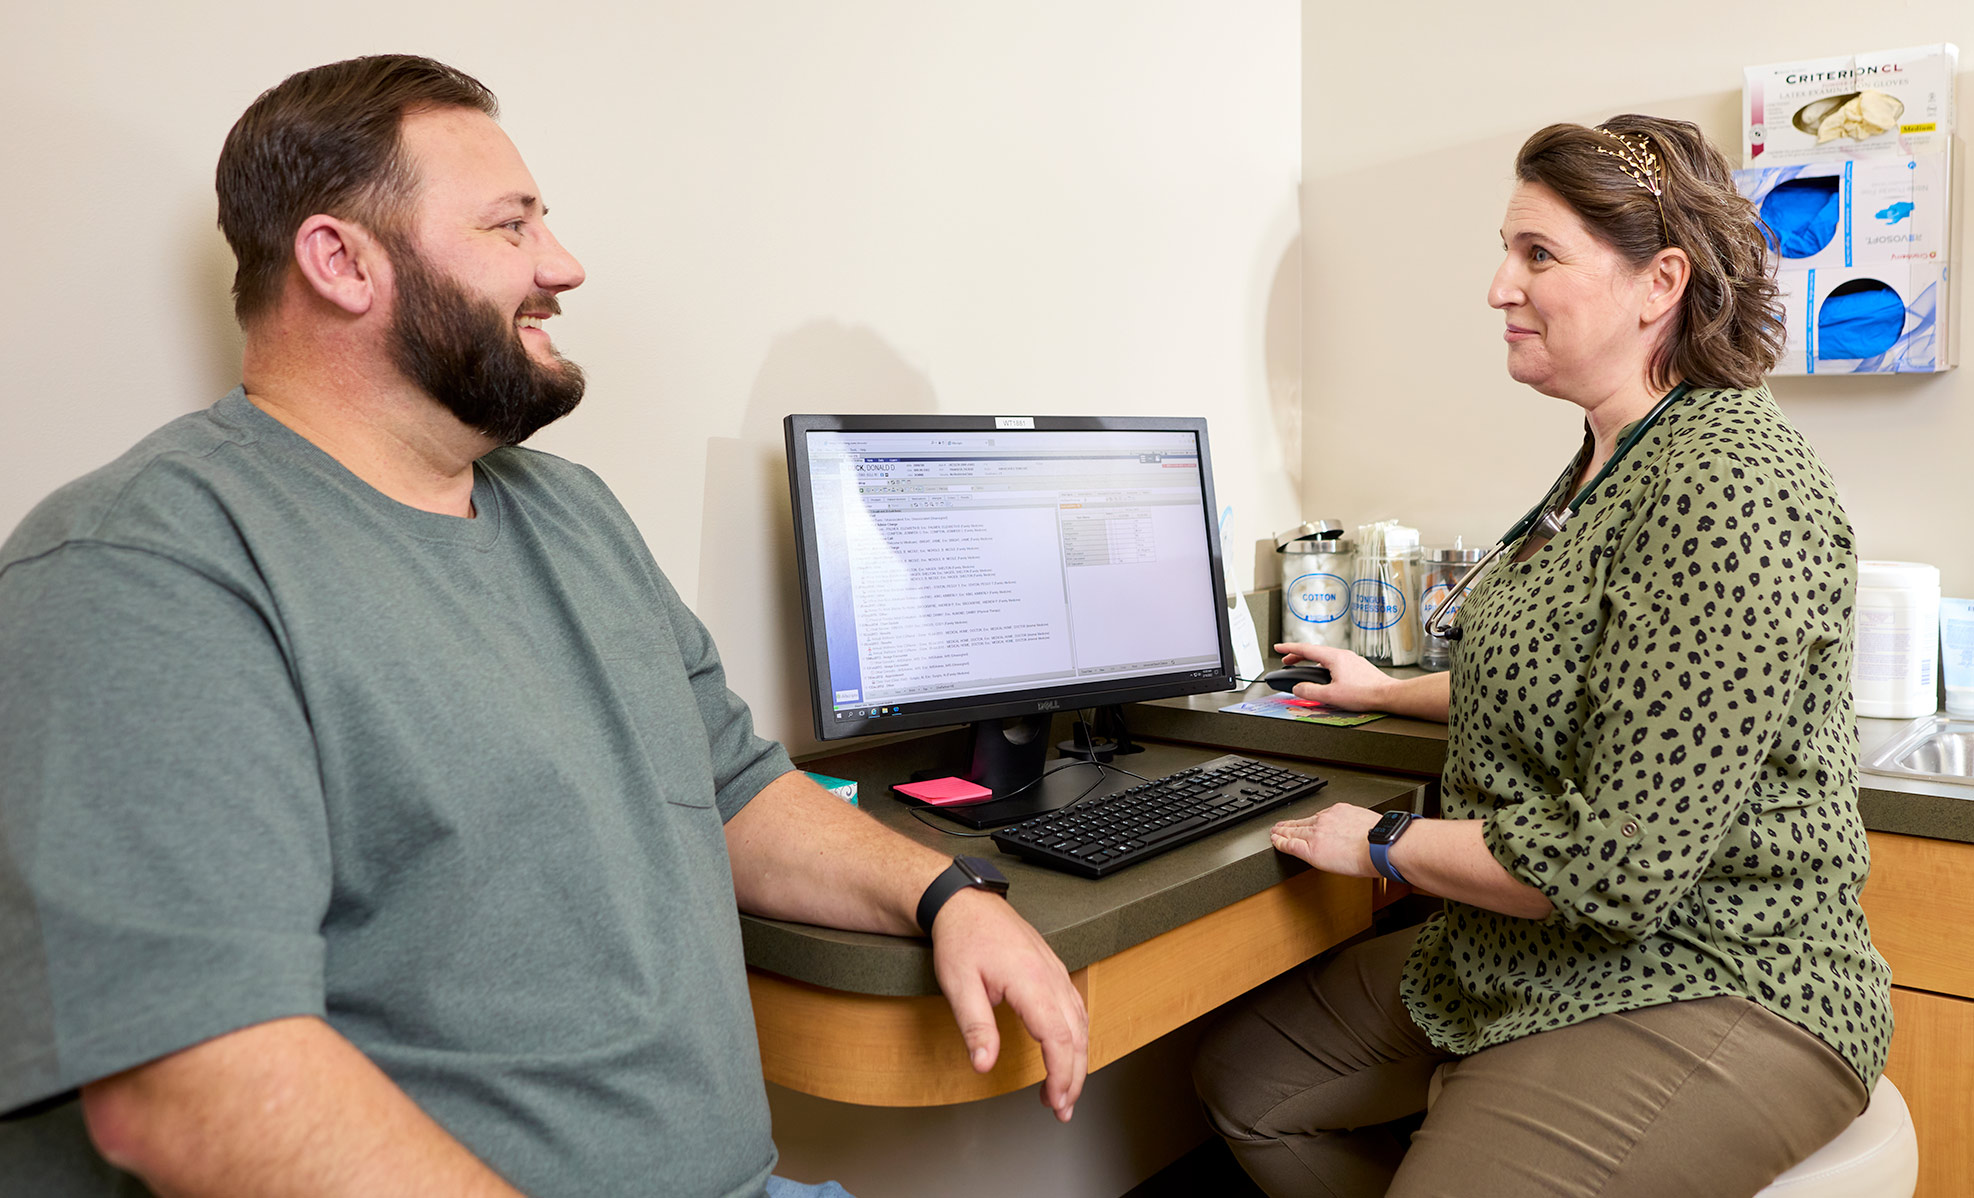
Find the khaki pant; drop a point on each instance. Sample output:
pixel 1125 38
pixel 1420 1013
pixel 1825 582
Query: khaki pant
pixel 1710 1097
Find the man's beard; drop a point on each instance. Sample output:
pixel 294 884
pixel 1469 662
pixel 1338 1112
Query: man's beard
pixel 467 354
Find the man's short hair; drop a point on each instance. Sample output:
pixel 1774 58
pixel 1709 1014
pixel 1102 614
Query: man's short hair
pixel 326 140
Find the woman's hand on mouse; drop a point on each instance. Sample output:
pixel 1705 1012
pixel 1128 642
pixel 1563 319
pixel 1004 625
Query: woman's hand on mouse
pixel 1355 684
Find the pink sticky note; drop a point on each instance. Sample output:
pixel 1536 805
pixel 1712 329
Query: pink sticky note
pixel 944 792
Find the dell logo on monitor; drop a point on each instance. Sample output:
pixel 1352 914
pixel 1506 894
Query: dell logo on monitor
pixel 1049 705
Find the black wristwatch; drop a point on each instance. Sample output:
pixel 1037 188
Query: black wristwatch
pixel 1384 834
pixel 965 873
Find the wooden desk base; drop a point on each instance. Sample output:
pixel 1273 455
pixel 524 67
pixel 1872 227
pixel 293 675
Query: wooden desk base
pixel 884 1051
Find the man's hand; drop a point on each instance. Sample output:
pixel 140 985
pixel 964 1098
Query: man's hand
pixel 846 870
pixel 984 954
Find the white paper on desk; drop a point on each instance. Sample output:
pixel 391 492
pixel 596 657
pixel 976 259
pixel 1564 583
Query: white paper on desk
pixel 1246 644
pixel 1247 648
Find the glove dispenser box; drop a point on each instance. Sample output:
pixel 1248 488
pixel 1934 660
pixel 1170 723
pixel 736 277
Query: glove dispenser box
pixel 1889 319
pixel 1888 102
pixel 1864 254
pixel 1857 212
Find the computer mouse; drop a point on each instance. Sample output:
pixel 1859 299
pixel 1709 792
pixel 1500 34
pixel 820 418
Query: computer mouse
pixel 1285 678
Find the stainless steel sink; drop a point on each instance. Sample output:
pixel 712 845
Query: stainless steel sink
pixel 1938 748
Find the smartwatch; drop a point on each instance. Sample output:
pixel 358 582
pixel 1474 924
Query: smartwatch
pixel 1384 834
pixel 965 873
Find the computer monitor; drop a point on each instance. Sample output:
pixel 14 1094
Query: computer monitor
pixel 995 570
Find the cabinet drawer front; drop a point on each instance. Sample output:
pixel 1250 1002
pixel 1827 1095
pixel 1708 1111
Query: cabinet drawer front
pixel 1933 1066
pixel 1920 901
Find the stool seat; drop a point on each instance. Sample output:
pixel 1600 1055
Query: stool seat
pixel 1877 1156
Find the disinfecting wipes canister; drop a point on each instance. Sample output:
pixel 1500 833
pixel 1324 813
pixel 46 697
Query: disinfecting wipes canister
pixel 1898 639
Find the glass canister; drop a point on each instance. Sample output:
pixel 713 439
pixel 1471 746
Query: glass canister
pixel 1443 568
pixel 1385 594
pixel 1316 563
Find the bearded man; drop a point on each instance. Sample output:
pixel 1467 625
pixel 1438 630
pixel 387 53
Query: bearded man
pixel 372 811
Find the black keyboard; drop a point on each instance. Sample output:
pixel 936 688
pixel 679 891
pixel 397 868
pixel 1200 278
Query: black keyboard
pixel 1098 837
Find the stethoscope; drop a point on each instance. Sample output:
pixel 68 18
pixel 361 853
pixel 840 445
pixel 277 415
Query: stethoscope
pixel 1442 622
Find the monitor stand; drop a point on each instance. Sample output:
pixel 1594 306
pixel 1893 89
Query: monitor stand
pixel 1008 758
pixel 1102 739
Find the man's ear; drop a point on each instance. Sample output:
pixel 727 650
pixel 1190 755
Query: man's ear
pixel 341 262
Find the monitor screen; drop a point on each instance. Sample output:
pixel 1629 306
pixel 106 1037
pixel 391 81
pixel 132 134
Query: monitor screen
pixel 957 569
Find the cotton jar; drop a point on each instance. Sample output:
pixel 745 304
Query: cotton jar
pixel 1898 639
pixel 1316 592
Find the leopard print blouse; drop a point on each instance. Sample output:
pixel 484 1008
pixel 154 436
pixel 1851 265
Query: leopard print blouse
pixel 1653 716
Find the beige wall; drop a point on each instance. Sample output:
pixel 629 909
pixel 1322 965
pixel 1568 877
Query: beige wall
pixel 862 206
pixel 1409 412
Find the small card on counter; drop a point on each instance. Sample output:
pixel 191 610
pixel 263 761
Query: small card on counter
pixel 1288 707
pixel 944 792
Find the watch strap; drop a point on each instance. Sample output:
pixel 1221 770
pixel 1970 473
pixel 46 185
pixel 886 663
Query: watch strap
pixel 953 879
pixel 1381 860
pixel 1381 853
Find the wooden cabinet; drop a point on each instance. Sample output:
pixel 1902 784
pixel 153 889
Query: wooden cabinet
pixel 1933 1066
pixel 886 1051
pixel 1920 900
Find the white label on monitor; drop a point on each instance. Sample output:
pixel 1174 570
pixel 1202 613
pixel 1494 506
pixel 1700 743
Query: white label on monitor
pixel 1014 422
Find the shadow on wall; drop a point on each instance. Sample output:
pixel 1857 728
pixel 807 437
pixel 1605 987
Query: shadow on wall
pixel 208 271
pixel 1281 360
pixel 129 321
pixel 1281 352
pixel 748 592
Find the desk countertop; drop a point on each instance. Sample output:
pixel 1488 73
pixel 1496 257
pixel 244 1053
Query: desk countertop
pixel 1083 920
pixel 1914 807
pixel 1390 762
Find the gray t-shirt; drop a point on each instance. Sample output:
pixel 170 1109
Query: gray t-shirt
pixel 272 744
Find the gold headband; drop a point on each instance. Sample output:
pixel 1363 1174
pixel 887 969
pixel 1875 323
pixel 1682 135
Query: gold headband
pixel 1641 166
